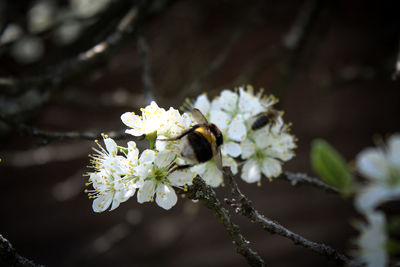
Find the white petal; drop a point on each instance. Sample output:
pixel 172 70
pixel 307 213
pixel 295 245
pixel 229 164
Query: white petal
pixel 164 158
pixel 146 193
pixel 228 100
pixel 220 118
pixel 102 203
pixel 188 120
pixel 125 192
pixel 111 146
pixel 249 104
pixel 264 139
pixel 115 204
pixel 372 164
pixel 144 169
pixel 181 177
pixel 212 175
pixel 230 162
pixel 373 195
pixel 202 103
pixel 394 150
pixel 231 148
pixel 130 120
pixel 166 197
pixel 147 155
pixel 251 171
pixel 372 240
pixel 237 129
pixel 248 148
pixel 133 152
pixel 271 167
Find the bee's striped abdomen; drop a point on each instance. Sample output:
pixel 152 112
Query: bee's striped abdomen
pixel 200 146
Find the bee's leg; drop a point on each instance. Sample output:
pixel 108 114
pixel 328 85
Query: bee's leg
pixel 179 136
pixel 182 167
pixel 176 167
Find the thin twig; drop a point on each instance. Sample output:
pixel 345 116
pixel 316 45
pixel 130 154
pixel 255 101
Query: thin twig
pixel 244 207
pixel 10 257
pixel 148 87
pixel 302 178
pixel 215 65
pixel 49 136
pixel 203 192
pixel 294 41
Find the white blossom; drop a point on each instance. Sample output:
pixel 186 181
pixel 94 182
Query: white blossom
pixel 150 121
pixel 113 180
pixel 372 241
pixel 381 166
pixel 155 170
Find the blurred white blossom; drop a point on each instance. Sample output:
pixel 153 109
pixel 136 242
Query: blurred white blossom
pixel 372 241
pixel 41 16
pixel 88 8
pixel 68 31
pixel 381 166
pixel 28 49
pixel 11 33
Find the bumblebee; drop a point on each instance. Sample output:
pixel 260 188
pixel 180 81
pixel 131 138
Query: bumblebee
pixel 268 117
pixel 200 143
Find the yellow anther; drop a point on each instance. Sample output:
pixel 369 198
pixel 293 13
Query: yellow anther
pixel 259 184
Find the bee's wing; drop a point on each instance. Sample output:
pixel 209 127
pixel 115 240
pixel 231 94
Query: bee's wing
pixel 218 159
pixel 198 116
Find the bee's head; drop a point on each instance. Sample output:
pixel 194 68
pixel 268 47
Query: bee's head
pixel 217 133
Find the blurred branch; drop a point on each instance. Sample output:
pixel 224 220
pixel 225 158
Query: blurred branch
pixel 146 77
pixel 294 41
pixel 203 192
pixel 49 136
pixel 85 61
pixel 242 205
pixel 214 66
pixel 10 257
pixel 302 178
pixel 70 67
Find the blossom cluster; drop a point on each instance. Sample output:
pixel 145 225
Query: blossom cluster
pixel 120 171
pixel 381 167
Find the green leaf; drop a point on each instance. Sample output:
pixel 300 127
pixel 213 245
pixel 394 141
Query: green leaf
pixel 331 166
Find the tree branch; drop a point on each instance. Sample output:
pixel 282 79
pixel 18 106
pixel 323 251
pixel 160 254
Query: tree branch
pixel 10 257
pixel 49 136
pixel 148 87
pixel 242 205
pixel 203 192
pixel 302 178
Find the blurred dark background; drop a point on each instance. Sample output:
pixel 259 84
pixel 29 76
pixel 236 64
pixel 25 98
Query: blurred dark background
pixel 331 63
